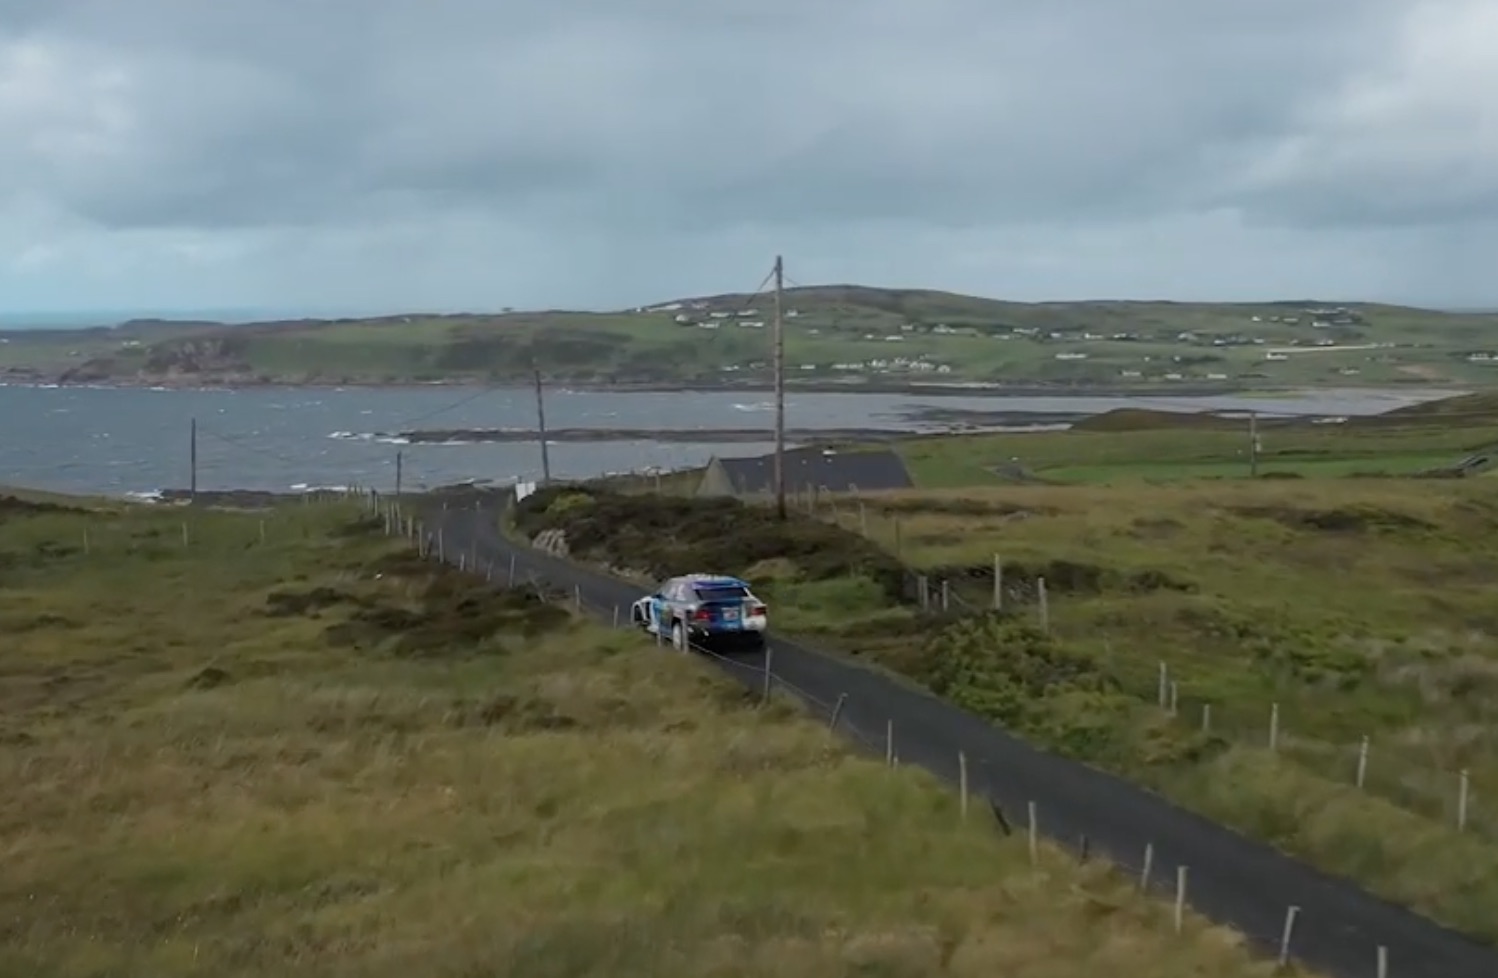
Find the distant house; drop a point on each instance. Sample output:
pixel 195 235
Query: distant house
pixel 806 470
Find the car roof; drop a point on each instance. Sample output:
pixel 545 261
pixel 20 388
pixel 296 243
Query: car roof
pixel 712 580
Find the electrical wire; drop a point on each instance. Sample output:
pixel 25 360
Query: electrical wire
pixel 1174 407
pixel 758 293
pixel 462 401
pixel 247 446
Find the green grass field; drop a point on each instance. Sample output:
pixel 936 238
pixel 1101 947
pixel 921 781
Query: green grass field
pixel 273 744
pixel 838 334
pixel 1342 599
pixel 1138 446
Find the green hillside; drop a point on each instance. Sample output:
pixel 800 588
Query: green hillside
pixel 844 333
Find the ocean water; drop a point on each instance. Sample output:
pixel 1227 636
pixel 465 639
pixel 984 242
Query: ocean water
pixel 122 441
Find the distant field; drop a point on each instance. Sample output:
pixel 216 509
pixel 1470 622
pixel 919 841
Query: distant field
pixel 1143 446
pixel 840 333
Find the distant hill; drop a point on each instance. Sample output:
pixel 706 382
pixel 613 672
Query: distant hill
pixel 836 335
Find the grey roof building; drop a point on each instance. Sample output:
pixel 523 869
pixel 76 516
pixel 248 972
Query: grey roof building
pixel 807 470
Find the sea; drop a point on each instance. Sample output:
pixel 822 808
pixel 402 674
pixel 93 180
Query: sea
pixel 137 441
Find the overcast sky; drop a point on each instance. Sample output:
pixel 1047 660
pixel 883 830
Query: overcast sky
pixel 399 155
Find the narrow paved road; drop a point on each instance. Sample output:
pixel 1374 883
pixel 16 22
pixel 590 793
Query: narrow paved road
pixel 1234 880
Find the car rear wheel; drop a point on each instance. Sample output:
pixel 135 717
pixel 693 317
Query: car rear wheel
pixel 679 636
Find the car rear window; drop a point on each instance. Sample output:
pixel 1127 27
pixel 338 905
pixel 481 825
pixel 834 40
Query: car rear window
pixel 727 592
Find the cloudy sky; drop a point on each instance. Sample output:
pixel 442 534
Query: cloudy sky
pixel 324 155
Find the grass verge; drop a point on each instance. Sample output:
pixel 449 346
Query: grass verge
pixel 1348 609
pixel 308 753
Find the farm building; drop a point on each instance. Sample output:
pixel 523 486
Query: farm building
pixel 807 470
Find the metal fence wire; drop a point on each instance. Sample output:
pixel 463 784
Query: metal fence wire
pixel 974 776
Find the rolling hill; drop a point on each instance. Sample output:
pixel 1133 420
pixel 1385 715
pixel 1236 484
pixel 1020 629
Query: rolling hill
pixel 837 334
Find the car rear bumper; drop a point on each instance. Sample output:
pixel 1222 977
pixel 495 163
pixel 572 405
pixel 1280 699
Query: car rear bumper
pixel 741 638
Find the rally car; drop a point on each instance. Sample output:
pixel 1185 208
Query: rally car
pixel 703 610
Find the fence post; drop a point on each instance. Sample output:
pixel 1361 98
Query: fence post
pixel 1045 607
pixel 1463 792
pixel 577 598
pixel 946 595
pixel 1274 726
pixel 998 583
pixel 1286 934
pixel 1034 834
pixel 962 783
pixel 1163 692
pixel 1362 776
pixel 889 742
pixel 441 547
pixel 1383 962
pixel 1149 864
pixel 1206 718
pixel 1180 898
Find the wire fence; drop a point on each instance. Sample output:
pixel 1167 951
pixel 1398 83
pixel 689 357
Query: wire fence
pixel 972 775
pixel 1396 771
pixel 1149 872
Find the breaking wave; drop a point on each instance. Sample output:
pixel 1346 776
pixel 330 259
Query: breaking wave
pixel 373 437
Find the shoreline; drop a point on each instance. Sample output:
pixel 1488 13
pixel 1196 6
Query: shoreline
pixel 922 389
pixel 715 436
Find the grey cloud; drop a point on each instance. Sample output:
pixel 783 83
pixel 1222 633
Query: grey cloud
pixel 952 111
pixel 642 119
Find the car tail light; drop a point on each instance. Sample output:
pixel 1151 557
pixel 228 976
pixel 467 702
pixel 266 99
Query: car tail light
pixel 758 609
pixel 702 614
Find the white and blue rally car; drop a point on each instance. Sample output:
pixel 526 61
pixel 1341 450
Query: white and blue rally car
pixel 703 610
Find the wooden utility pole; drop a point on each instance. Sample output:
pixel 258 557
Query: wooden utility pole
pixel 192 454
pixel 399 464
pixel 779 339
pixel 1253 444
pixel 541 431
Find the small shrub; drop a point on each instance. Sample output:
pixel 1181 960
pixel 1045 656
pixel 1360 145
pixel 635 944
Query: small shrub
pixel 662 536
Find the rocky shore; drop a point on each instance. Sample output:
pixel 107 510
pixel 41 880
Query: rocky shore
pixel 25 376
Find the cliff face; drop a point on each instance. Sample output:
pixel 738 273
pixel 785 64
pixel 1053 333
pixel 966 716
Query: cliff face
pixel 202 359
pixel 198 357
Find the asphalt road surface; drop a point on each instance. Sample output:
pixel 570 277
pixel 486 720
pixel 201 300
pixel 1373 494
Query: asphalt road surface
pixel 1231 879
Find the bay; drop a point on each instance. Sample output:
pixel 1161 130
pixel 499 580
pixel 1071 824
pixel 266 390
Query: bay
pixel 122 441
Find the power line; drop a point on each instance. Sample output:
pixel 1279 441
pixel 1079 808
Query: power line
pixel 759 292
pixel 469 399
pixel 247 446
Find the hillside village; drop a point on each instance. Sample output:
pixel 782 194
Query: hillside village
pixel 842 335
pixel 1337 329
